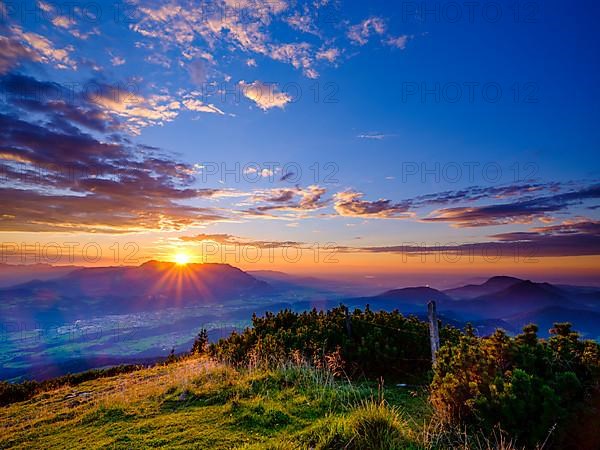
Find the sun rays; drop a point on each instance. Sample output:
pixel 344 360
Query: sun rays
pixel 181 259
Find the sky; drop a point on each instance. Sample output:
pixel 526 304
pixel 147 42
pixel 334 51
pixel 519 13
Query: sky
pixel 435 138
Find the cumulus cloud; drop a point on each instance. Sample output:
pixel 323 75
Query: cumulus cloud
pixel 361 33
pixel 264 173
pixel 35 211
pixel 63 22
pixel 264 95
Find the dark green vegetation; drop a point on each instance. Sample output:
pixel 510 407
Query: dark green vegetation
pixel 480 383
pixel 370 343
pixel 327 380
pixel 526 385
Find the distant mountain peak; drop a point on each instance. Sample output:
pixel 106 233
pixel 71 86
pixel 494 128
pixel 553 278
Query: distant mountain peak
pixel 417 294
pixel 422 289
pixel 502 279
pixel 491 286
pixel 193 265
pixel 149 286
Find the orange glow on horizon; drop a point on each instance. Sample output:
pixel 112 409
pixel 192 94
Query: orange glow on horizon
pixel 181 259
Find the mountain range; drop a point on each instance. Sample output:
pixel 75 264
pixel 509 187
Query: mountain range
pixel 154 285
pixel 499 302
pixel 69 318
pixel 503 301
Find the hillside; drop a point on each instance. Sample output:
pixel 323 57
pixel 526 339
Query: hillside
pixel 324 380
pixel 194 403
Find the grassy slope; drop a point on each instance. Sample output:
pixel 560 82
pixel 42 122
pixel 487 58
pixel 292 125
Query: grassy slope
pixel 194 404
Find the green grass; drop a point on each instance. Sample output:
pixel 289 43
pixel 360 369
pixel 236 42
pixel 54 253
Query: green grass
pixel 196 403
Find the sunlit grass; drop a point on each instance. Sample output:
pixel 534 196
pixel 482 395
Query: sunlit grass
pixel 199 403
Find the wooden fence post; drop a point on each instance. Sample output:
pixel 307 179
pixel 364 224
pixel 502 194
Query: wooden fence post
pixel 348 322
pixel 434 334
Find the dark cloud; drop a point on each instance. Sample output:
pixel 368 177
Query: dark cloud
pixel 569 239
pixel 580 238
pixel 351 204
pixel 297 199
pixel 62 104
pixel 281 196
pixel 287 176
pixel 12 52
pixel 228 239
pixel 29 210
pixel 517 212
pixel 475 193
pixel 55 176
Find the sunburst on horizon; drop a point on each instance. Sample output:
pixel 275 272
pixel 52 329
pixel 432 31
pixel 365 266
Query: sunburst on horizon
pixel 181 259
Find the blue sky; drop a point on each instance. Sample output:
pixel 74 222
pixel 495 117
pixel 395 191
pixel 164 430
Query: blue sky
pixel 516 92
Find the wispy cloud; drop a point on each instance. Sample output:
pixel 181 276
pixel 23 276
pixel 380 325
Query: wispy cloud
pixel 12 53
pixel 199 106
pixel 359 34
pixel 45 50
pixel 228 239
pixel 519 212
pixel 398 41
pixel 374 136
pixel 574 238
pixel 351 204
pixel 117 61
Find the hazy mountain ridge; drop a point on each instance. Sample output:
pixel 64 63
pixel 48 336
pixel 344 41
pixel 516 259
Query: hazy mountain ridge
pixel 504 302
pixel 110 313
pixel 492 285
pixel 13 274
pixel 116 290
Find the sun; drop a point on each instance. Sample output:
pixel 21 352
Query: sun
pixel 182 259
